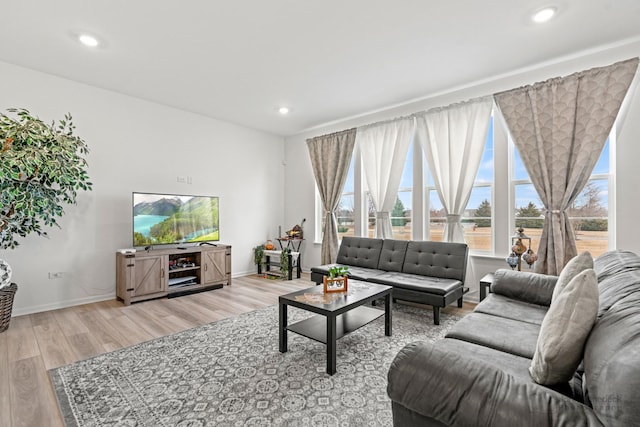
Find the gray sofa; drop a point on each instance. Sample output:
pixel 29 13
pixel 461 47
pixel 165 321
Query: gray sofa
pixel 478 374
pixel 424 272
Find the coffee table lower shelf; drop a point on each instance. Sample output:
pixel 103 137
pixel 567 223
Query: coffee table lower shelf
pixel 315 327
pixel 334 317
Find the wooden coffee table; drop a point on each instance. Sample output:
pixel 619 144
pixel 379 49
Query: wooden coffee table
pixel 337 314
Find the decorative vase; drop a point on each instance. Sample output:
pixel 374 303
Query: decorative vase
pixel 6 305
pixel 5 274
pixel 530 257
pixel 512 260
pixel 7 292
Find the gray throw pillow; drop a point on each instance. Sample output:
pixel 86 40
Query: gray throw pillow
pixel 565 329
pixel 576 265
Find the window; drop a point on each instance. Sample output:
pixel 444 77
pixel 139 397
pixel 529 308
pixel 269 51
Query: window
pixel 589 215
pixel 478 215
pixel 402 211
pixel 502 199
pixel 345 214
pixel 477 221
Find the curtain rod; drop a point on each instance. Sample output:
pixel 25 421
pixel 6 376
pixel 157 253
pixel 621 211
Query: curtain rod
pixel 340 132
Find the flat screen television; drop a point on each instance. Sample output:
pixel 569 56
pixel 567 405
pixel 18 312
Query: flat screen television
pixel 165 219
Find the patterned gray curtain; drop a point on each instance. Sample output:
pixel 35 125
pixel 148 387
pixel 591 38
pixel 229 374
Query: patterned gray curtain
pixel 330 159
pixel 560 127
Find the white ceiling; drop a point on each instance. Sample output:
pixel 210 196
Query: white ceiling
pixel 238 60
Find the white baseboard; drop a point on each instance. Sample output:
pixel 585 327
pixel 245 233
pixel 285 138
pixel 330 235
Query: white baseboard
pixel 87 300
pixel 62 304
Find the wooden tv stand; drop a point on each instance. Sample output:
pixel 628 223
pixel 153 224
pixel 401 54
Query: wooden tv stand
pixel 172 272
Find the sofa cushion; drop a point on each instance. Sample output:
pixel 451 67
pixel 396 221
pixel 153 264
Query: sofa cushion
pixel 613 262
pixel 508 335
pixel 455 389
pixel 359 252
pixel 611 362
pixel 392 255
pixel 510 363
pixel 618 276
pixel 576 265
pixel 433 285
pixel 436 259
pixel 565 329
pixel 524 286
pixel 501 306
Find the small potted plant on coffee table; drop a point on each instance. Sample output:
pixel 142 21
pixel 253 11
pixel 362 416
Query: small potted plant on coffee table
pixel 337 279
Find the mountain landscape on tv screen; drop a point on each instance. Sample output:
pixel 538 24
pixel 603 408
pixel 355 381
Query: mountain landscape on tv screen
pixel 175 220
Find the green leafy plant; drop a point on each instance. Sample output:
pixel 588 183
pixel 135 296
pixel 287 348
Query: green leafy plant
pixel 258 254
pixel 284 263
pixel 338 271
pixel 42 168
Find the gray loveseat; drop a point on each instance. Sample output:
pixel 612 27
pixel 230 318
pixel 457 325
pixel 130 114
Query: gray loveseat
pixel 420 271
pixel 478 375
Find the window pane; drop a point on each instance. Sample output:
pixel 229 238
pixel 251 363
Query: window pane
pixel 345 216
pixel 401 213
pixel 401 216
pixel 602 166
pixel 589 218
pixel 529 213
pixel 485 171
pixel 346 208
pixel 477 220
pixel 371 217
pixel 437 217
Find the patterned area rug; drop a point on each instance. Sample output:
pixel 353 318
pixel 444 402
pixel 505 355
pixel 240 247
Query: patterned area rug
pixel 230 373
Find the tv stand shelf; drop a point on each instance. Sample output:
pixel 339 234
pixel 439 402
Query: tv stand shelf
pixel 160 273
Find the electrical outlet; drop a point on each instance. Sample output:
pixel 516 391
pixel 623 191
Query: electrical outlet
pixel 57 275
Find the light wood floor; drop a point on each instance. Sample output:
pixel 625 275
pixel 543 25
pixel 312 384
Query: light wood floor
pixel 38 342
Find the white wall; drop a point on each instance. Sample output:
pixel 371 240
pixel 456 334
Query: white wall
pixel 300 198
pixel 137 146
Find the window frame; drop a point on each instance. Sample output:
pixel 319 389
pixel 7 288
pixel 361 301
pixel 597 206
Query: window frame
pixel 609 177
pixel 503 188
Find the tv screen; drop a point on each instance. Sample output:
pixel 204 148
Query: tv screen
pixel 163 219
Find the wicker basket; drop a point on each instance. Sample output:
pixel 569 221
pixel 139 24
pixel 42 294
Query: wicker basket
pixel 6 305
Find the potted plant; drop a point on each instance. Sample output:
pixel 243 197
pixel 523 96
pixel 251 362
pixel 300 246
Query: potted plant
pixel 258 255
pixel 284 263
pixel 337 279
pixel 42 168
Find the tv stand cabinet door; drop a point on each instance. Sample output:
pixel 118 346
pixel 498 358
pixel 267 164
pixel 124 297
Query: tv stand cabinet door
pixel 150 276
pixel 214 267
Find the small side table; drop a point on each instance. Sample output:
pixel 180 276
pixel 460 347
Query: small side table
pixel 294 263
pixel 485 285
pixel 293 243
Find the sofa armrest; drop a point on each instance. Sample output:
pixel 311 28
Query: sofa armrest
pixel 459 390
pixel 524 286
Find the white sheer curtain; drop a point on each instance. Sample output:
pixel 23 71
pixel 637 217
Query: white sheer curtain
pixel 453 139
pixel 384 148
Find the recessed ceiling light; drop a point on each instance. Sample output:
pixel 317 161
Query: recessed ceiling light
pixel 88 40
pixel 544 15
pixel 284 110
